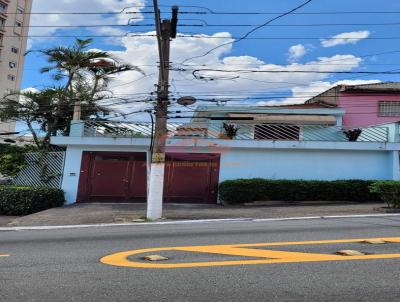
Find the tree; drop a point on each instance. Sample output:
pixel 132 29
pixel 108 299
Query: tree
pixel 84 76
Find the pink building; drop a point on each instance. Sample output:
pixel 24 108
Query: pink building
pixel 366 105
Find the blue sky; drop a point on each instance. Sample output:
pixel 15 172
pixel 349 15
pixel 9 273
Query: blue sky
pixel 302 42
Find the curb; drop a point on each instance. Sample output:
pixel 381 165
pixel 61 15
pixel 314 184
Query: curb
pixel 183 222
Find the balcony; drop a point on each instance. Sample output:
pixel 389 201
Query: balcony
pixel 246 131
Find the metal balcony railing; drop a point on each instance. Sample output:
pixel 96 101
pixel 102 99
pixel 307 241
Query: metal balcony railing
pixel 245 131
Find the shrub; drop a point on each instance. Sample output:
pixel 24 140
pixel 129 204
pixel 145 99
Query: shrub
pixel 389 191
pixel 12 159
pixel 27 200
pixel 257 189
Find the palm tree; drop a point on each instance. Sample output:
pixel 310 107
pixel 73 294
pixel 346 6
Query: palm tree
pixel 86 74
pixel 82 68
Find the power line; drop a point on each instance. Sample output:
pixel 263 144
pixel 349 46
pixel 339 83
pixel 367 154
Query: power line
pixel 208 11
pixel 249 71
pixel 205 24
pixel 204 11
pixel 311 95
pixel 125 10
pixel 308 64
pixel 199 37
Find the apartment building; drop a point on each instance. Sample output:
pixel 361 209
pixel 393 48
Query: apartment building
pixel 14 27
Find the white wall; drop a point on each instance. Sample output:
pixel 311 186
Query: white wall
pixel 72 169
pixel 265 159
pixel 306 164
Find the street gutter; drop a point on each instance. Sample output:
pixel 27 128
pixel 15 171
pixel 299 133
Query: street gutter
pixel 183 222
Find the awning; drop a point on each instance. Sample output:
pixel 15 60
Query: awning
pixel 288 118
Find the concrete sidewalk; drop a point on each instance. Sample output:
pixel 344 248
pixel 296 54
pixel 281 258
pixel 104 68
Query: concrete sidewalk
pixel 5 220
pixel 126 213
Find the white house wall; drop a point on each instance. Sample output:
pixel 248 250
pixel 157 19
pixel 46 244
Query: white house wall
pixel 306 164
pixel 249 159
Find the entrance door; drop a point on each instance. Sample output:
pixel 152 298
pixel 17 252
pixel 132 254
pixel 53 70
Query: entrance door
pixel 109 177
pixel 113 177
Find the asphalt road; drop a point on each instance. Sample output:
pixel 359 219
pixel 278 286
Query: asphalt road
pixel 64 265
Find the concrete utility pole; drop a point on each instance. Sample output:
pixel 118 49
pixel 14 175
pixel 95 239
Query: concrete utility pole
pixel 166 31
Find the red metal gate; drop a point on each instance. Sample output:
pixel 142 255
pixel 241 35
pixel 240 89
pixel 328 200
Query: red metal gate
pixel 191 178
pixel 112 177
pixel 122 177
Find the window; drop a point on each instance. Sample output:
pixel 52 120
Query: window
pixel 18 23
pixel 20 10
pixel 14 49
pixel 276 132
pixel 11 77
pixel 389 108
pixel 12 64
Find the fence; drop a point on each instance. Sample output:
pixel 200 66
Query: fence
pixel 245 131
pixel 42 170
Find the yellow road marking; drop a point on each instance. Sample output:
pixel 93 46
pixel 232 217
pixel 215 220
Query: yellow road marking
pixel 245 250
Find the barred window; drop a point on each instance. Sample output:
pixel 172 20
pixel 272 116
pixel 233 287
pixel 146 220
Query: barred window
pixel 276 132
pixel 389 108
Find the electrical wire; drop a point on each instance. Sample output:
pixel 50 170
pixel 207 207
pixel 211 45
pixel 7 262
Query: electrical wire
pixel 205 24
pixel 206 11
pixel 251 31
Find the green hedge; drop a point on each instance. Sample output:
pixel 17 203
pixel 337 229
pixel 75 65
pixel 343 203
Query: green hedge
pixel 257 189
pixel 389 192
pixel 27 200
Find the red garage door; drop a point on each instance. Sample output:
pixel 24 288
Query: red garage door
pixel 112 177
pixel 191 178
pixel 121 177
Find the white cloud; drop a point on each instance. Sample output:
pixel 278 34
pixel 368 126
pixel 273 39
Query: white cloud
pixel 296 52
pixel 49 20
pixel 228 83
pixel 345 38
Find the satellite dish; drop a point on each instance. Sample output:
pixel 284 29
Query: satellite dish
pixel 187 100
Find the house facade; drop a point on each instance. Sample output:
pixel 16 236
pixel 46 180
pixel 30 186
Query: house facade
pixel 365 105
pixel 108 161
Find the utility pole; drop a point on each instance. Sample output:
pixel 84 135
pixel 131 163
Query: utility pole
pixel 166 31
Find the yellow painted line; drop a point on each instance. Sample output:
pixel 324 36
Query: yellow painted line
pixel 244 250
